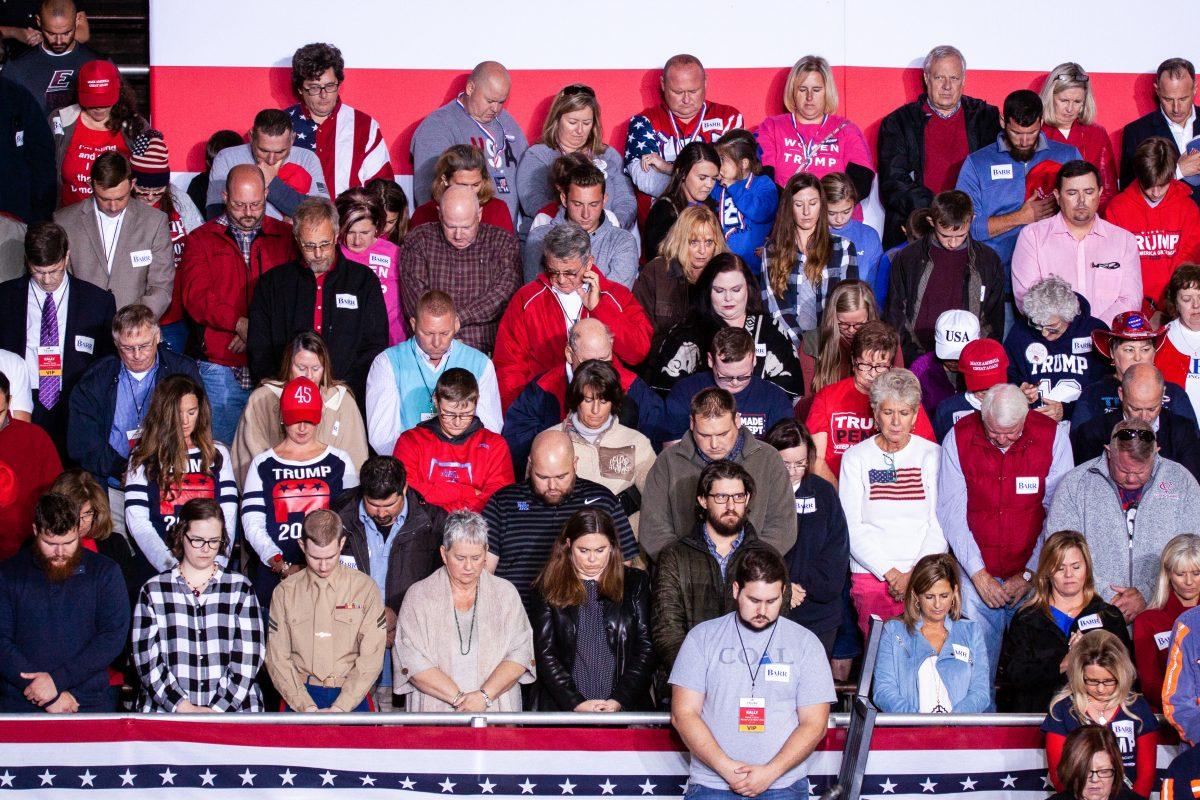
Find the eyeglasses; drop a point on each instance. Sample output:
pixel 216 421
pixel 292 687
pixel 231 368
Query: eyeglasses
pixel 325 88
pixel 138 191
pixel 1050 330
pixel 796 466
pixel 1103 774
pixel 876 369
pixel 203 544
pixel 135 349
pixel 450 416
pixel 578 88
pixel 1129 434
pixel 315 247
pixel 731 380
pixel 1072 77
pixel 724 498
pixel 243 207
pixel 850 327
pixel 555 274
pixel 1095 683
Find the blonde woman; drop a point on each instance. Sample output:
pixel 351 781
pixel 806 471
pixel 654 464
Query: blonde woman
pixel 1099 691
pixel 1068 113
pixel 1064 605
pixel 664 285
pixel 573 126
pixel 811 137
pixel 1177 590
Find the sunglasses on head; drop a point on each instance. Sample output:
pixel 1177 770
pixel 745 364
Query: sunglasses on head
pixel 1129 434
pixel 578 88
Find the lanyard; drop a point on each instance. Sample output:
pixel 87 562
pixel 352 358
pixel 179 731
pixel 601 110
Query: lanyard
pixel 745 657
pixel 133 389
pixel 695 134
pixel 496 159
pixel 58 306
pixel 810 147
pixel 570 322
pixel 109 252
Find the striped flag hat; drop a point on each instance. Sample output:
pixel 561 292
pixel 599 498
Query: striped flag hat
pixel 149 160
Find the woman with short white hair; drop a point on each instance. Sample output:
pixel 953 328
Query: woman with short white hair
pixel 1177 590
pixel 888 489
pixel 1069 109
pixel 463 641
pixel 1050 352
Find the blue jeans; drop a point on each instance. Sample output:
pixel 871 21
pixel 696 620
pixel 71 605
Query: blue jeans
pixel 324 698
pixel 175 335
pixel 992 622
pixel 797 791
pixel 226 397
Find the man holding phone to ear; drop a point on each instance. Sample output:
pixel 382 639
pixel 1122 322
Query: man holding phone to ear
pixel 533 331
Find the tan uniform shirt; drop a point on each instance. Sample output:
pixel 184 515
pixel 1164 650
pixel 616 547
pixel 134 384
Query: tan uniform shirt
pixel 328 632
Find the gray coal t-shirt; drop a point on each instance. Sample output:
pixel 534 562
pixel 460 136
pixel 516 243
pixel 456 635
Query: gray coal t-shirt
pixel 793 673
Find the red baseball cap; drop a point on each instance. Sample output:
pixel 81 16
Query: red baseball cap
pixel 99 84
pixel 1042 177
pixel 1128 325
pixel 301 402
pixel 983 364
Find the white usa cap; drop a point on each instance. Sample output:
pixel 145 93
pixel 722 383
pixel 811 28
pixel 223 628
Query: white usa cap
pixel 952 331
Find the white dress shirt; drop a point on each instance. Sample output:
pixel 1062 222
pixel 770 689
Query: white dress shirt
pixel 110 231
pixel 13 367
pixel 33 322
pixel 1182 134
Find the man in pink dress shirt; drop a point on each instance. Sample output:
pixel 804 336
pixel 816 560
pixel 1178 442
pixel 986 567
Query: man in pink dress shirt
pixel 1097 258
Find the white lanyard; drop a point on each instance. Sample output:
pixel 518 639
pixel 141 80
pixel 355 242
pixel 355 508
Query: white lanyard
pixel 496 159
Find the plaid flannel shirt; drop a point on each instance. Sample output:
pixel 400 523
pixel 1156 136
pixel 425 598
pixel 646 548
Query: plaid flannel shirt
pixel 803 301
pixel 205 649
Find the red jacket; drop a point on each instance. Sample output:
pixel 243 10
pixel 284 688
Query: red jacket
pixel 533 332
pixel 1005 490
pixel 495 212
pixel 1094 144
pixel 555 383
pixel 1167 235
pixel 217 284
pixel 28 465
pixel 463 472
pixel 1151 646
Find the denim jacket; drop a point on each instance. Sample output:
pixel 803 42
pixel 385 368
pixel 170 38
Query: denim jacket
pixel 962 665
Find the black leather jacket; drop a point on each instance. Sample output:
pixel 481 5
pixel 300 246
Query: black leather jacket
pixel 628 627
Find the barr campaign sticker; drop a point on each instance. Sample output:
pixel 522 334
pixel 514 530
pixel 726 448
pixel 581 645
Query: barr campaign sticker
pixel 806 505
pixel 780 673
pixel 1028 485
pixel 380 260
pixel 962 652
pixel 1002 172
pixel 1081 345
pixel 1162 640
pixel 347 301
pixel 348 561
pixel 85 344
pixel 141 258
pixel 712 125
pixel 1090 622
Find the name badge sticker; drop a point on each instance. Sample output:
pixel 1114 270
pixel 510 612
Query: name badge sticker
pixel 806 505
pixel 778 673
pixel 347 301
pixel 760 350
pixel 1028 485
pixel 348 561
pixel 1162 640
pixel 1081 345
pixel 85 344
pixel 380 260
pixel 1089 623
pixel 141 258
pixel 1002 172
pixel 20 138
pixel 962 652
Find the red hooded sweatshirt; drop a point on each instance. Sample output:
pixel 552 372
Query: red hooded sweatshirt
pixel 1167 234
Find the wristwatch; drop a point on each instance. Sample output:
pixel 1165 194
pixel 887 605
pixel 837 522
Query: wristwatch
pixel 487 699
pixel 1027 576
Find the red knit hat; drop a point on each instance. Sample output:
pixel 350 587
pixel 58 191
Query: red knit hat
pixel 983 364
pixel 1042 176
pixel 301 402
pixel 99 84
pixel 150 160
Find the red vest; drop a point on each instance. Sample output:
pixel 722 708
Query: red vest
pixel 1005 490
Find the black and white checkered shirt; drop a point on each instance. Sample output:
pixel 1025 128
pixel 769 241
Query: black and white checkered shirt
pixel 205 649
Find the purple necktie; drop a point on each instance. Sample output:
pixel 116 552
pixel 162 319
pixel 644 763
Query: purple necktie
pixel 49 386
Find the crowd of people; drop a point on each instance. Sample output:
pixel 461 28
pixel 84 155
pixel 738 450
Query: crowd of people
pixel 578 430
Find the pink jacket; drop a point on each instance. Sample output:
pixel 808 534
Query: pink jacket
pixel 383 258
